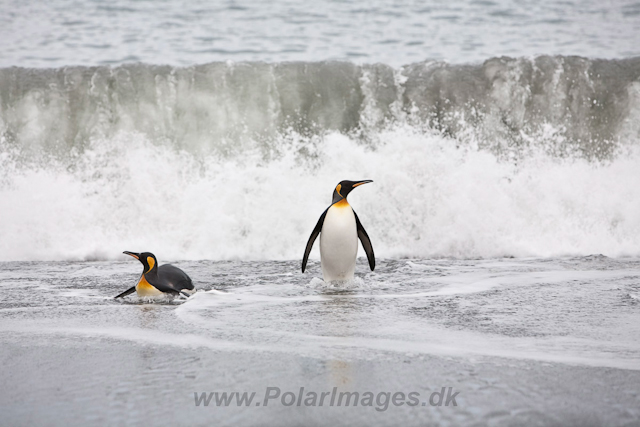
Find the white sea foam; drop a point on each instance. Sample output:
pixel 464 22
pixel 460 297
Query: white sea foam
pixel 429 199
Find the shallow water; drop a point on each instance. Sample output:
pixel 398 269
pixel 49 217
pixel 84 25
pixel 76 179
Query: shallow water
pixel 522 340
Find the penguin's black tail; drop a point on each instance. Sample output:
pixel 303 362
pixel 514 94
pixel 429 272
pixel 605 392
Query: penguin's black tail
pixel 185 293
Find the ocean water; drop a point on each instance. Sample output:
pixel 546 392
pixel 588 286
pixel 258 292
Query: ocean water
pixel 503 142
pixel 395 32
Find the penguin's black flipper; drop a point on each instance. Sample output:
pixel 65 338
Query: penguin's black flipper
pixel 312 238
pixel 366 242
pixel 125 293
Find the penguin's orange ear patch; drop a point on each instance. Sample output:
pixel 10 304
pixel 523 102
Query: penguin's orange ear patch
pixel 151 263
pixel 338 188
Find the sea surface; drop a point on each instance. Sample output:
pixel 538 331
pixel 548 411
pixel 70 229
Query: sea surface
pixel 59 33
pixel 503 141
pixel 524 341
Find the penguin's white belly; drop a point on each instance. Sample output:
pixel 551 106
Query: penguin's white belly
pixel 339 243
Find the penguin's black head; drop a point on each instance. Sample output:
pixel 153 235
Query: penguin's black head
pixel 345 187
pixel 147 259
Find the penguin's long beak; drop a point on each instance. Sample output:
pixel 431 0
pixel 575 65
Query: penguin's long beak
pixel 133 254
pixel 366 181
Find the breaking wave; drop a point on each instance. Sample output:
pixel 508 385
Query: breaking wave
pixel 512 157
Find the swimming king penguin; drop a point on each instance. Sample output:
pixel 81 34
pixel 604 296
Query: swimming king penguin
pixel 158 280
pixel 339 229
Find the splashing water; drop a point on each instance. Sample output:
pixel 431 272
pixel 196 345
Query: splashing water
pixel 513 157
pixel 429 199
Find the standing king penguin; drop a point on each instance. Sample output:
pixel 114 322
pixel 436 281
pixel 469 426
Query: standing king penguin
pixel 340 229
pixel 158 280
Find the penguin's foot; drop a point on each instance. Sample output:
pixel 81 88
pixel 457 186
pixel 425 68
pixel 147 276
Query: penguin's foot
pixel 337 285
